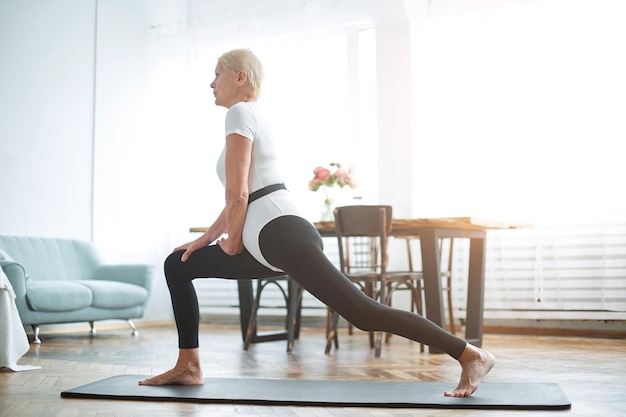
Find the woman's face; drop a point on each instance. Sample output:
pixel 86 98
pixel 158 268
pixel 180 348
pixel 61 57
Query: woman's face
pixel 225 87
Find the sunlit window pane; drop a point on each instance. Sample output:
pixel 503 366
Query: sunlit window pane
pixel 520 110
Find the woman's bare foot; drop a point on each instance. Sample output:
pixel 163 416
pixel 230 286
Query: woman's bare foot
pixel 475 364
pixel 186 372
pixel 175 377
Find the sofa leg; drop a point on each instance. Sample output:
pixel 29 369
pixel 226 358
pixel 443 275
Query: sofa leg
pixel 36 339
pixel 92 330
pixel 132 326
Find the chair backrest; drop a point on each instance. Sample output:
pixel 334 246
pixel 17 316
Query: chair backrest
pixel 362 233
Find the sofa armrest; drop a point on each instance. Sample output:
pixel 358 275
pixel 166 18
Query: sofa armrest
pixel 137 274
pixel 17 276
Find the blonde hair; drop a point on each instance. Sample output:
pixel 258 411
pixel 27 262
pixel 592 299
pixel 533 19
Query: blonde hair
pixel 245 60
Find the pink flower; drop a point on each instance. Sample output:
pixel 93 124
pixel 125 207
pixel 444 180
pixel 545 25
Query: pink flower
pixel 324 177
pixel 321 174
pixel 341 173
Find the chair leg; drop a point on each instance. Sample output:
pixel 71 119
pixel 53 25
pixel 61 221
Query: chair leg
pixel 331 335
pixel 416 292
pixel 329 321
pixel 371 292
pixel 253 315
pixel 388 302
pixel 330 330
pixel 293 313
pixel 298 306
pixel 450 308
pixel 378 339
pixel 409 253
pixel 92 328
pixel 293 305
pixel 378 346
pixel 416 300
pixel 449 288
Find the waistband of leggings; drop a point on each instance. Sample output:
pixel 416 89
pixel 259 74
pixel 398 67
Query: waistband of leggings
pixel 255 195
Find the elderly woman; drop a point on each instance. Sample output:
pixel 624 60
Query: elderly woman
pixel 261 231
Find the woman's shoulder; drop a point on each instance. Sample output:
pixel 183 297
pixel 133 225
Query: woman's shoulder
pixel 242 118
pixel 244 106
pixel 247 111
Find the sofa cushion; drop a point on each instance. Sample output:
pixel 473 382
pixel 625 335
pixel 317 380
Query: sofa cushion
pixel 57 296
pixel 114 295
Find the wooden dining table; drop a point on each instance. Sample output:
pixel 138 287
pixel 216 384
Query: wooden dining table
pixel 429 231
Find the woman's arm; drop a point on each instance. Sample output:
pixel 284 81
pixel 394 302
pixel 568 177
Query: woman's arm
pixel 232 218
pixel 238 158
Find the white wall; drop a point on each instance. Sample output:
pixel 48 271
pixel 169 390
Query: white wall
pixel 52 183
pixel 129 165
pixel 46 97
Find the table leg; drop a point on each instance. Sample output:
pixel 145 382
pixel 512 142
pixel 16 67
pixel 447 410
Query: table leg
pixel 476 291
pixel 432 279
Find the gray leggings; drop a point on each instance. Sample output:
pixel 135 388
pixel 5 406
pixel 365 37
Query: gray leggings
pixel 294 245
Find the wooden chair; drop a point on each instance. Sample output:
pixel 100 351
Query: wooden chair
pixel 293 304
pixel 362 236
pixel 446 273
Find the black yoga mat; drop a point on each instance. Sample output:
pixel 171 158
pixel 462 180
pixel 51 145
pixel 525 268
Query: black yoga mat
pixel 509 396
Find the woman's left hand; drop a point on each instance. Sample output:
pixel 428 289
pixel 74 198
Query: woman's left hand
pixel 229 247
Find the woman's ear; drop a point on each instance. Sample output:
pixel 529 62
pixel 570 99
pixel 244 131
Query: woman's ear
pixel 242 77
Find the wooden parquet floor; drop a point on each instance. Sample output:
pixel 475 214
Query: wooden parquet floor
pixel 592 372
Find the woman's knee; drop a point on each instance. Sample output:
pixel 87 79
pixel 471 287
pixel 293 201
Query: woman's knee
pixel 365 315
pixel 173 266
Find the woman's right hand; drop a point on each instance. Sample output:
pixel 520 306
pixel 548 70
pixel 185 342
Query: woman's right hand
pixel 189 248
pixel 216 230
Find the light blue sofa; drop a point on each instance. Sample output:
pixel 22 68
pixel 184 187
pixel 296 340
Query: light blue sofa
pixel 65 281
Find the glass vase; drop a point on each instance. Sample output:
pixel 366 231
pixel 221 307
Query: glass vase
pixel 328 209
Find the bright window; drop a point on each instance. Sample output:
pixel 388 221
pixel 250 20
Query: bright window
pixel 521 111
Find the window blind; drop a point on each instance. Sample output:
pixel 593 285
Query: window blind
pixel 578 270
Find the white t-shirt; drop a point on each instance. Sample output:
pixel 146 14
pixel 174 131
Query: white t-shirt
pixel 246 119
